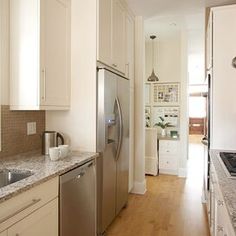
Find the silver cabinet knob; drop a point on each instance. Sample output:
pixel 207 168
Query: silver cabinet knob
pixel 234 62
pixel 220 203
pixel 219 228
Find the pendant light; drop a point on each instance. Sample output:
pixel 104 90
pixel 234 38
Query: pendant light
pixel 153 77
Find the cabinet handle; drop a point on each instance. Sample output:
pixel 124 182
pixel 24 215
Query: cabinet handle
pixel 234 62
pixel 219 228
pixel 44 83
pixel 220 203
pixel 115 65
pixel 33 202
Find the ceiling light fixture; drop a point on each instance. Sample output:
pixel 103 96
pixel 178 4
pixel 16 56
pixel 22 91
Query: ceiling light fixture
pixel 152 77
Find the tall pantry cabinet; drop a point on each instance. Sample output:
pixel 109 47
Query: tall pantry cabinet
pixel 111 34
pixel 221 52
pixel 40 54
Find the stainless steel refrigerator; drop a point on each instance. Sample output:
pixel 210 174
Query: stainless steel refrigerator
pixel 113 146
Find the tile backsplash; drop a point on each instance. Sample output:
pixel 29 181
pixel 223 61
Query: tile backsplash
pixel 14 131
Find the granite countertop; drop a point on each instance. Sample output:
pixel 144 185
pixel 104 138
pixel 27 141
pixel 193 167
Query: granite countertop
pixel 227 186
pixel 42 167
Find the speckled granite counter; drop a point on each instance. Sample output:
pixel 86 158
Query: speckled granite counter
pixel 227 186
pixel 42 167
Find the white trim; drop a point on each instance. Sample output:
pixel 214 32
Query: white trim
pixel 139 187
pixel 182 172
pixel 204 200
pixel 168 171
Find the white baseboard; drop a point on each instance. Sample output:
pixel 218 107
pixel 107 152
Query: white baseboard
pixel 182 172
pixel 168 171
pixel 204 201
pixel 139 187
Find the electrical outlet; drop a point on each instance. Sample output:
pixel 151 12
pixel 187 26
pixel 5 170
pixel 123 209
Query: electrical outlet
pixel 31 128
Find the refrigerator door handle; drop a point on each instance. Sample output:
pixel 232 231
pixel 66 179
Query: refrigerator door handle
pixel 120 128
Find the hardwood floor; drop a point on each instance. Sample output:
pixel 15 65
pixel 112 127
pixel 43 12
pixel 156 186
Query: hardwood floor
pixel 167 209
pixel 171 206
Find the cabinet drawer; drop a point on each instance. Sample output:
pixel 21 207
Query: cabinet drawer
pixel 168 147
pixel 22 205
pixel 169 163
pixel 43 221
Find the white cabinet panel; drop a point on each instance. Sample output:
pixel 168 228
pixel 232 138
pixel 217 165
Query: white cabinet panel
pixel 55 52
pixel 20 206
pixel 104 31
pixel 209 43
pixel 169 156
pixel 44 221
pixel 111 38
pixel 39 54
pixel 223 78
pixel 118 36
pixel 168 147
pixel 168 162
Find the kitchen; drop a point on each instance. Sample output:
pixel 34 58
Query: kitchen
pixel 49 74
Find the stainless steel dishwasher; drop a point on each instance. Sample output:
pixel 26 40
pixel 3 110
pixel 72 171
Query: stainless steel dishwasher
pixel 78 201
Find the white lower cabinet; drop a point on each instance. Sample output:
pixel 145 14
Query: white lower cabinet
pixel 44 221
pixel 168 156
pixel 219 219
pixel 31 213
pixel 3 233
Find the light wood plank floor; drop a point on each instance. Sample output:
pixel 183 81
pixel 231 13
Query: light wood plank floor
pixel 171 207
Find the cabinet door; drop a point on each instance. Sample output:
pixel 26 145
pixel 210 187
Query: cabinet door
pixel 55 52
pixel 4 233
pixel 104 32
pixel 209 43
pixel 168 162
pixel 43 221
pixel 224 74
pixel 118 36
pixel 129 70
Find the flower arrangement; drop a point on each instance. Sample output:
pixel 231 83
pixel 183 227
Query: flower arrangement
pixel 163 125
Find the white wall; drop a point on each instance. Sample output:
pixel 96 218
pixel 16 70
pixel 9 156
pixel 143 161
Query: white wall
pixel 167 53
pixel 79 123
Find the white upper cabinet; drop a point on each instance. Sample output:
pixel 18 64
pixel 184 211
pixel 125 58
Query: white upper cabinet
pixel 111 34
pixel 223 77
pixel 104 32
pixel 209 43
pixel 40 54
pixel 118 36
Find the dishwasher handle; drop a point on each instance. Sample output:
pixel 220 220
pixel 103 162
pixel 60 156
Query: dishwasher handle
pixel 76 173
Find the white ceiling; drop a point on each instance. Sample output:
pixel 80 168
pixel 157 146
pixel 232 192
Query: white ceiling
pixel 165 17
pixel 152 8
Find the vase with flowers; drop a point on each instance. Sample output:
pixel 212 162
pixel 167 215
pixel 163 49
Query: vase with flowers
pixel 163 125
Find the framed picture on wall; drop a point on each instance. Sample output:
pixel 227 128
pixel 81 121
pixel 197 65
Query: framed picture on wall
pixel 166 94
